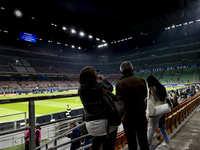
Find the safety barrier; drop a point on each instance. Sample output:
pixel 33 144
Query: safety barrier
pixel 175 117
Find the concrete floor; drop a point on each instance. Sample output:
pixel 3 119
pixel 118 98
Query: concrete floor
pixel 188 136
pixel 185 137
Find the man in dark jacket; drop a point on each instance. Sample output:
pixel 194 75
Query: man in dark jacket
pixel 133 91
pixel 74 134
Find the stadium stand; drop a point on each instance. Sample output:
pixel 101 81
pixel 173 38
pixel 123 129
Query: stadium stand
pixel 177 53
pixel 50 67
pixel 157 56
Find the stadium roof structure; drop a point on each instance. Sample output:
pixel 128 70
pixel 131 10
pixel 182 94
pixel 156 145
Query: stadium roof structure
pixel 89 23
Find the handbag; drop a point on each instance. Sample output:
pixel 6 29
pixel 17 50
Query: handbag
pixel 153 110
pixel 116 108
pixel 162 109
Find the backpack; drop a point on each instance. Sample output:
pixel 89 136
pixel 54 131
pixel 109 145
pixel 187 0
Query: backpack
pixel 116 108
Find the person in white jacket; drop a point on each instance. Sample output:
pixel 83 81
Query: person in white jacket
pixel 157 96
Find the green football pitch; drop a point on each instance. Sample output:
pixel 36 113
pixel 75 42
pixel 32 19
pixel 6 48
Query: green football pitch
pixel 42 107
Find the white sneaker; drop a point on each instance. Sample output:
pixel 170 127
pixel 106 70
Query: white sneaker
pixel 167 145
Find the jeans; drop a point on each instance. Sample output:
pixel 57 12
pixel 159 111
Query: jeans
pixel 162 128
pixel 151 127
pixel 88 141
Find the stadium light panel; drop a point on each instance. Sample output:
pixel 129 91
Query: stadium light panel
pixel 82 33
pixel 90 36
pixel 64 28
pixel 73 46
pixel 198 20
pixel 73 31
pixel 18 13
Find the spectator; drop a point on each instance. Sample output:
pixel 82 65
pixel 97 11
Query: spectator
pixel 27 138
pixel 191 93
pixel 37 137
pixel 133 91
pixel 158 96
pixel 174 101
pixel 96 114
pixel 187 90
pixel 74 134
pixel 185 95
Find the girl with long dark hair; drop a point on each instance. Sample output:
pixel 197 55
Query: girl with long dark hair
pixel 158 96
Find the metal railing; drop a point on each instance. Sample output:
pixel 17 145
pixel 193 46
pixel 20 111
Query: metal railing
pixel 65 143
pixel 49 130
pixel 31 108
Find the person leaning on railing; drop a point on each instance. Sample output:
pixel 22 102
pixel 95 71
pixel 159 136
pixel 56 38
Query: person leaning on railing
pixel 74 134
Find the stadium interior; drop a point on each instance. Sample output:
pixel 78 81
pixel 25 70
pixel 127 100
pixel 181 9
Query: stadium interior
pixel 160 38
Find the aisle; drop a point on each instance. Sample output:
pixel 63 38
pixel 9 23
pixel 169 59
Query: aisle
pixel 188 137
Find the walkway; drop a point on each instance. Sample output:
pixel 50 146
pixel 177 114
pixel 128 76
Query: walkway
pixel 185 137
pixel 188 137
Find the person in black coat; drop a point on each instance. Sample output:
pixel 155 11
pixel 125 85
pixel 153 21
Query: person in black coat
pixel 96 110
